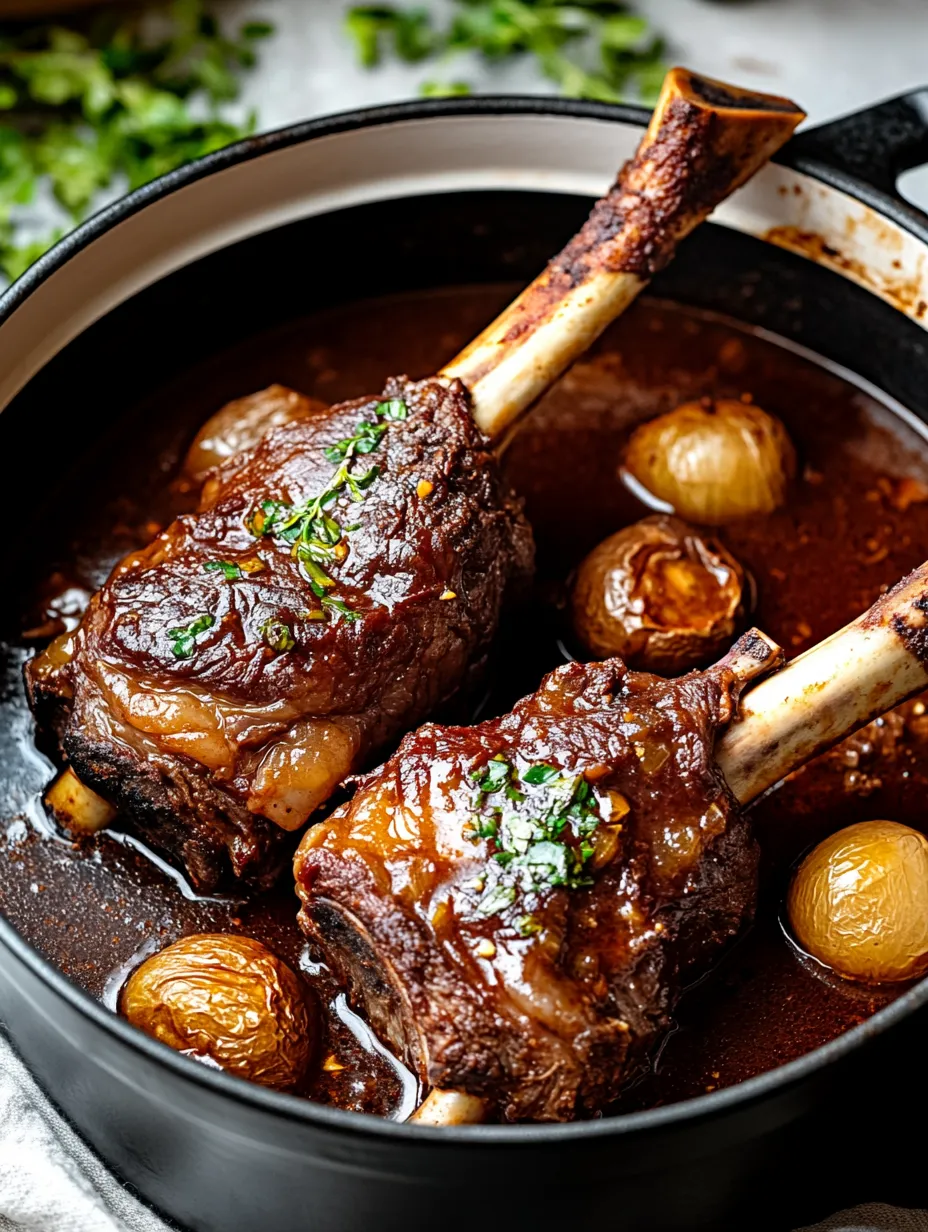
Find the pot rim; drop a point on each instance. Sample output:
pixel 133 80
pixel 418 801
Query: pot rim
pixel 686 1112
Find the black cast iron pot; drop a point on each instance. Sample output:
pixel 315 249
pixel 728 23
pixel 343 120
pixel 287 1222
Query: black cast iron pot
pixel 433 194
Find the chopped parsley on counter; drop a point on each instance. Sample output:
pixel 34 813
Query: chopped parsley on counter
pixel 594 49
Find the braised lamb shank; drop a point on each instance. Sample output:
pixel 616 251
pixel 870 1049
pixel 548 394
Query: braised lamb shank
pixel 516 906
pixel 218 696
pixel 345 574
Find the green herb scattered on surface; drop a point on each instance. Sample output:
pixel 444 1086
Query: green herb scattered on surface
pixel 543 846
pixel 408 32
pixel 493 776
pixel 184 637
pixel 228 570
pixel 110 101
pixel 340 608
pixel 316 536
pixel 595 49
pixel 278 636
pixel 445 89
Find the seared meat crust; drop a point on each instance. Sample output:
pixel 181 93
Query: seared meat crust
pixel 547 1004
pixel 211 755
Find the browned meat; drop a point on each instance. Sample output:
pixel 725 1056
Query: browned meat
pixel 231 674
pixel 517 906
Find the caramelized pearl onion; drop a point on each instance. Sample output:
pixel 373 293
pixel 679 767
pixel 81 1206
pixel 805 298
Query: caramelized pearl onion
pixel 859 902
pixel 713 462
pixel 659 595
pixel 228 1000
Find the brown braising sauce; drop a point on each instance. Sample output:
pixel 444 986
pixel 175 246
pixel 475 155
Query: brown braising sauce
pixel 855 521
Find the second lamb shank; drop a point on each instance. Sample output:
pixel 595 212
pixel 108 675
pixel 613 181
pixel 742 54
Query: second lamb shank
pixel 345 573
pixel 517 907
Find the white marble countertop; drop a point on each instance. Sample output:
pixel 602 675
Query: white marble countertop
pixel 832 56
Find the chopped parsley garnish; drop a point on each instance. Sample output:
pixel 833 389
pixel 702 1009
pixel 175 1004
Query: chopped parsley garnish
pixel 225 567
pixel 278 635
pixel 541 774
pixel 316 536
pixel 497 900
pixel 184 637
pixel 538 847
pixel 494 775
pixel 483 827
pixel 342 610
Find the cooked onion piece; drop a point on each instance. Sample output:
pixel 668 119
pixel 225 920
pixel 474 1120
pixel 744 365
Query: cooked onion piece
pixel 713 462
pixel 75 807
pixel 228 1000
pixel 659 595
pixel 859 902
pixel 242 423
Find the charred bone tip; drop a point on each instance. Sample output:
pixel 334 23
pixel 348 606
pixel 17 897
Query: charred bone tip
pixel 705 139
pixel 719 96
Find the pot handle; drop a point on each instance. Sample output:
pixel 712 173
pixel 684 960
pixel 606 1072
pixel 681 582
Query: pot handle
pixel 869 148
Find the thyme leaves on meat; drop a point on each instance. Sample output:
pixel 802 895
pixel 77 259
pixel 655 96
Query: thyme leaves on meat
pixel 317 538
pixel 183 638
pixel 337 607
pixel 544 845
pixel 594 49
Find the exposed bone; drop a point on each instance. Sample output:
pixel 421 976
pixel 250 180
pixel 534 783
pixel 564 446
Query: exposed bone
pixel 449 1108
pixel 75 807
pixel 752 656
pixel 705 140
pixel 822 696
pixel 858 673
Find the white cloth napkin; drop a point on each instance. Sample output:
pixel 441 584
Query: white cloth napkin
pixel 50 1181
